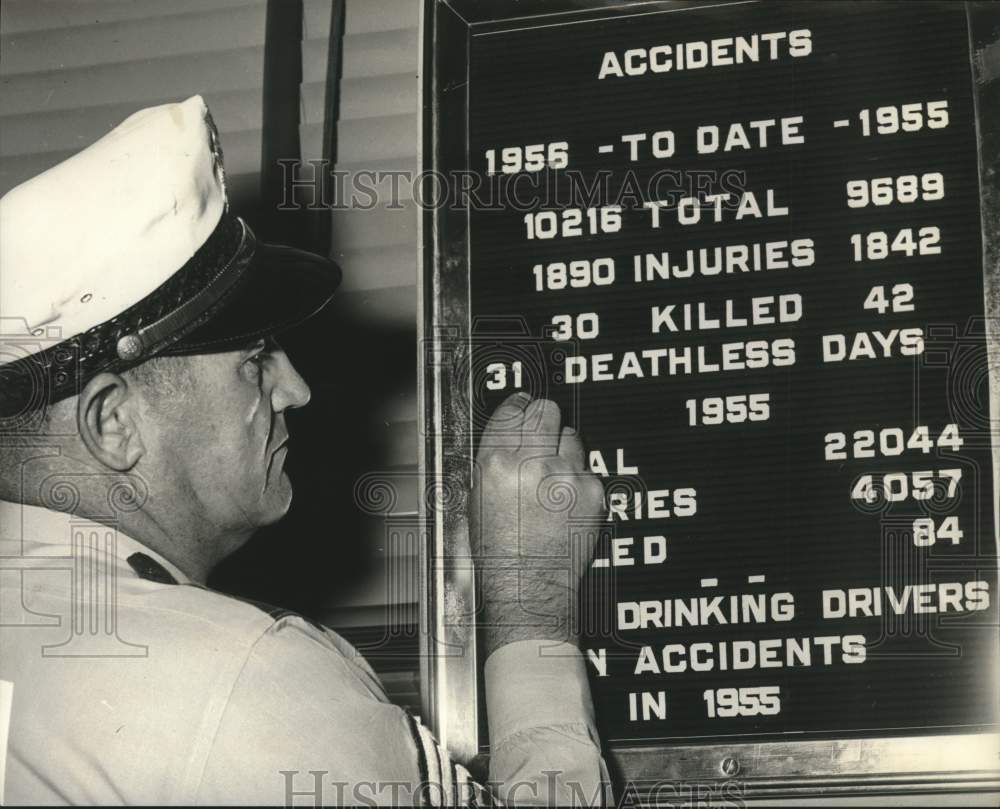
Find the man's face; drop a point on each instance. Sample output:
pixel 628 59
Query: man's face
pixel 221 442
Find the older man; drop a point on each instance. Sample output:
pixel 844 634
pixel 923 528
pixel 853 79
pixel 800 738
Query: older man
pixel 143 440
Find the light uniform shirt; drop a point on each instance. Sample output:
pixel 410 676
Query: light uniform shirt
pixel 133 685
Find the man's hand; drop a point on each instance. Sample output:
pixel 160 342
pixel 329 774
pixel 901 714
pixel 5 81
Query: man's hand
pixel 536 514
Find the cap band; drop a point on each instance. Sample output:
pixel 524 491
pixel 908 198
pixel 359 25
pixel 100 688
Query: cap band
pixel 188 315
pixel 178 306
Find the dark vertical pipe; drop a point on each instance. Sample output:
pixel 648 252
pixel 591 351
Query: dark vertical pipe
pixel 280 124
pixel 331 117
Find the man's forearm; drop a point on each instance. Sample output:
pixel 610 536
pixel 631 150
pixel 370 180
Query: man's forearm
pixel 526 600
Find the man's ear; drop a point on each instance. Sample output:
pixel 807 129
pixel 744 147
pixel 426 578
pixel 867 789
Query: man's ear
pixel 106 418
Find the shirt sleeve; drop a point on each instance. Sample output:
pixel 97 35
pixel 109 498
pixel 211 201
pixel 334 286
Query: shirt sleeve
pixel 543 740
pixel 305 724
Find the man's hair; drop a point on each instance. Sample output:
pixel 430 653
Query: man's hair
pixel 163 377
pixel 163 381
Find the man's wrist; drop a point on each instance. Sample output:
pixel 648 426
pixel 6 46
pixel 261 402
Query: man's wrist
pixel 496 637
pixel 523 597
pixel 513 615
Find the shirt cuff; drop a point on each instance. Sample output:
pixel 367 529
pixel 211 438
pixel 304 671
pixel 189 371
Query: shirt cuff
pixel 536 683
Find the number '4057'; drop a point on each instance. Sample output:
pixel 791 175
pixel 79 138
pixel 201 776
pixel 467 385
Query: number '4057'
pixel 895 487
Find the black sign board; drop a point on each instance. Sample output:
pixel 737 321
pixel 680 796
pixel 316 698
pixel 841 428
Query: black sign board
pixel 742 246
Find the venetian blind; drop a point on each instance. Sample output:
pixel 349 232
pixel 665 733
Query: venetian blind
pixel 70 70
pixel 376 130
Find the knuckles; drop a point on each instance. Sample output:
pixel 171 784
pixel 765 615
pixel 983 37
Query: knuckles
pixel 497 467
pixel 500 470
pixel 549 408
pixel 503 469
pixel 596 492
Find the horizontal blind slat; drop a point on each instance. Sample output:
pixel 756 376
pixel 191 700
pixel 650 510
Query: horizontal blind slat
pixel 145 80
pixel 313 102
pixel 314 66
pixel 380 54
pixel 368 16
pixel 17 16
pixel 377 131
pixel 355 228
pixel 378 96
pixel 316 19
pixel 364 55
pixel 311 141
pixel 366 139
pixel 73 129
pixel 406 163
pixel 124 42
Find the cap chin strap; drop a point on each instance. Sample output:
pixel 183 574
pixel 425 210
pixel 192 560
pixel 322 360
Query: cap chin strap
pixel 192 312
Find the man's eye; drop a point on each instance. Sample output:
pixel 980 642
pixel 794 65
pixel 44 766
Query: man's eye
pixel 255 363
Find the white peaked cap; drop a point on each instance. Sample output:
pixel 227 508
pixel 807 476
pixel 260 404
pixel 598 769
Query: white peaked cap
pixel 98 232
pixel 128 250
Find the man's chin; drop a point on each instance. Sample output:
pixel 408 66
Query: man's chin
pixel 274 502
pixel 277 500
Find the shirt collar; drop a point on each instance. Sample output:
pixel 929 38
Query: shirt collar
pixel 43 526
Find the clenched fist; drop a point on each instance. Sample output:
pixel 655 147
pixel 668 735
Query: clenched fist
pixel 536 514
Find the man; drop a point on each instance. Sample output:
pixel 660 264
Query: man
pixel 144 401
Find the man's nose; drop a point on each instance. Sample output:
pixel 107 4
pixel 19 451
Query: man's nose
pixel 289 389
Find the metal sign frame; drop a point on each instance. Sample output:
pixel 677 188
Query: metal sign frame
pixel 835 766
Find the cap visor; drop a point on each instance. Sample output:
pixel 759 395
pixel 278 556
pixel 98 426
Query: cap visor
pixel 280 289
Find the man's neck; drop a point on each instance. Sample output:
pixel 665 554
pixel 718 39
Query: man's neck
pixel 57 482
